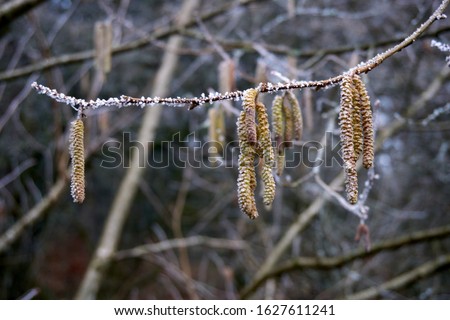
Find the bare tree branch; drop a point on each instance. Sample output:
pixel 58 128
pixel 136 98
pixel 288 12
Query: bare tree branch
pixel 124 101
pixel 193 241
pixel 14 232
pixel 422 271
pixel 13 9
pixel 16 172
pixel 327 263
pixel 78 57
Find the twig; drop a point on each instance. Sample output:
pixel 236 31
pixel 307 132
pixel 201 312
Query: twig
pixel 16 172
pixel 124 101
pixel 161 33
pixel 336 262
pixel 13 233
pixel 285 50
pixel 422 271
pixel 13 9
pixel 193 241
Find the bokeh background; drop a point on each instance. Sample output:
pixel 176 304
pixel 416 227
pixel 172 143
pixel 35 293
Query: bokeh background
pixel 197 243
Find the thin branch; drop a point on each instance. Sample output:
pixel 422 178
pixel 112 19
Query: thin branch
pixel 299 53
pixel 422 271
pixel 161 33
pixel 14 232
pixel 13 9
pixel 193 241
pixel 124 101
pixel 328 263
pixel 16 172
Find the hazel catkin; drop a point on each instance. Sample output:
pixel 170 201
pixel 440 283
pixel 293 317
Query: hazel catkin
pixel 367 123
pixel 249 108
pixel 77 185
pixel 297 117
pixel 346 126
pixel 266 151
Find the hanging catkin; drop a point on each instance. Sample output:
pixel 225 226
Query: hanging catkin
pixel 357 124
pixel 297 117
pixel 249 109
pixel 76 149
pixel 278 133
pixel 247 178
pixel 288 124
pixel 277 123
pixel 367 123
pixel 346 126
pixel 265 149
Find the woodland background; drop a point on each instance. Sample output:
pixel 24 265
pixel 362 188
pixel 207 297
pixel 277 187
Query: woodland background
pixel 220 251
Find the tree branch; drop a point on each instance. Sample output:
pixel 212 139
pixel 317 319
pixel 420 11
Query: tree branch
pixel 124 101
pixel 14 232
pixel 13 9
pixel 404 279
pixel 194 241
pixel 327 263
pixel 285 50
pixel 78 57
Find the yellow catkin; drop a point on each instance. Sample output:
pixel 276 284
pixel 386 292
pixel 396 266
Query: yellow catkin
pixel 265 149
pixel 297 117
pixel 367 123
pixel 288 125
pixel 249 103
pixel 277 123
pixel 357 124
pixel 76 149
pixel 103 46
pixel 346 126
pixel 280 162
pixel 216 131
pixel 226 70
pixel 247 178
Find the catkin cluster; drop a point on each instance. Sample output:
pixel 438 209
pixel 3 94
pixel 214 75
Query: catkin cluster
pixel 254 141
pixel 76 149
pixel 287 123
pixel 356 124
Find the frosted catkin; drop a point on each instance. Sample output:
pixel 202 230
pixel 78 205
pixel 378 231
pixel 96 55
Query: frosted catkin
pixel 297 117
pixel 367 123
pixel 77 185
pixel 346 126
pixel 277 122
pixel 249 104
pixel 246 182
pixel 266 150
